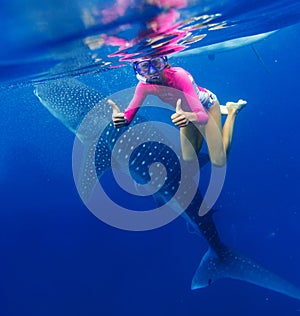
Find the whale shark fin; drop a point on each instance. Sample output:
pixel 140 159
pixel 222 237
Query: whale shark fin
pixel 235 265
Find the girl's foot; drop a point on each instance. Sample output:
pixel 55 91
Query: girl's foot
pixel 223 109
pixel 235 107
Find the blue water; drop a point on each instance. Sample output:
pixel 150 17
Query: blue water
pixel 59 259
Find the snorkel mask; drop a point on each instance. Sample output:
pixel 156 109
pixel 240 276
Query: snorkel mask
pixel 151 67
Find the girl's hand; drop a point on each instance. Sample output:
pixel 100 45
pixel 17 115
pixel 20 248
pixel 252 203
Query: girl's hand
pixel 118 117
pixel 179 118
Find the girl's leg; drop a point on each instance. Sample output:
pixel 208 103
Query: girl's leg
pixel 219 140
pixel 191 141
pixel 233 109
pixel 214 136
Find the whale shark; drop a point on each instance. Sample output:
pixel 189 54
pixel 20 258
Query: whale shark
pixel 70 101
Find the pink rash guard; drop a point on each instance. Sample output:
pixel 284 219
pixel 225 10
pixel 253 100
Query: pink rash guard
pixel 184 88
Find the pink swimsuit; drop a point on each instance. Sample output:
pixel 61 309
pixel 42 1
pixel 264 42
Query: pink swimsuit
pixel 192 96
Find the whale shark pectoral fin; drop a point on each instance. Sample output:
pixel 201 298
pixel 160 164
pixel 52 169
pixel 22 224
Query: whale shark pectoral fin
pixel 235 265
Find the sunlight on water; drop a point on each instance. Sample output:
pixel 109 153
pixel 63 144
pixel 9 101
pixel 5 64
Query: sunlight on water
pixel 58 40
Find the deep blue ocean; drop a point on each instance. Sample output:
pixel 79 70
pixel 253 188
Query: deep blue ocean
pixel 57 258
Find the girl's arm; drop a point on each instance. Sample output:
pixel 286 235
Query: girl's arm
pixel 136 102
pixel 184 83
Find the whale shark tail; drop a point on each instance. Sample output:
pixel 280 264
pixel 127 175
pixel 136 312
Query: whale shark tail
pixel 233 264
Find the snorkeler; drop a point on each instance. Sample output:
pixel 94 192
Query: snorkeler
pixel 198 111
